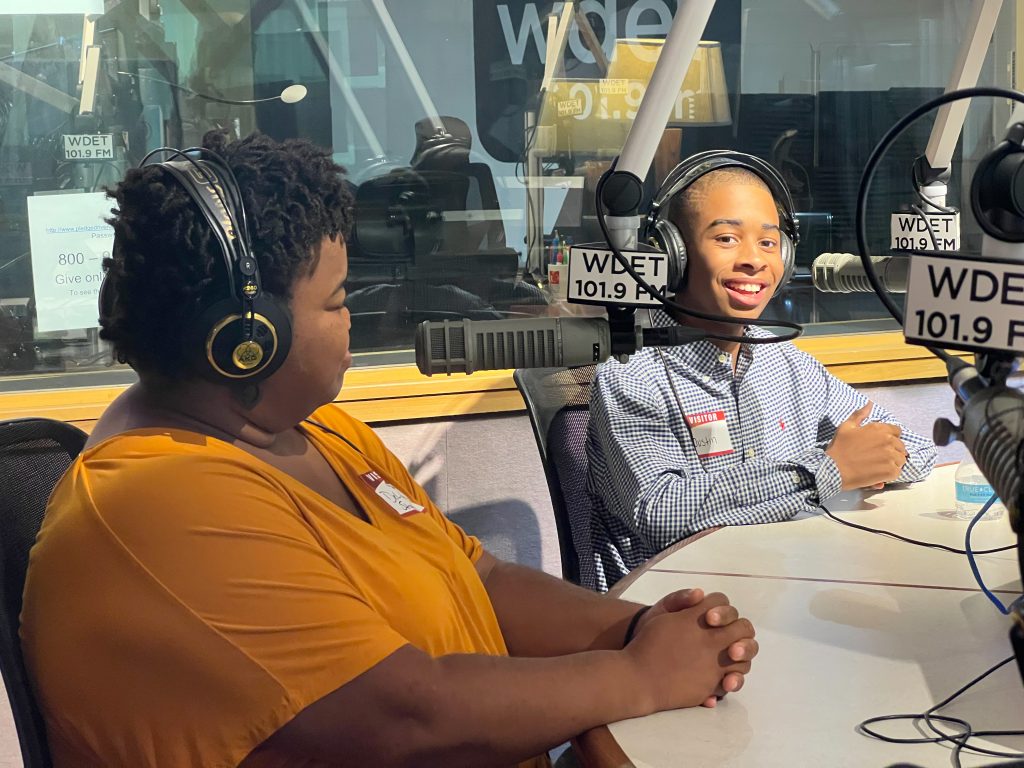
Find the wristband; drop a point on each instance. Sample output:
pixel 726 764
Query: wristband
pixel 632 624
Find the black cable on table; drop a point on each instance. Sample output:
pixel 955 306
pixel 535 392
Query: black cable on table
pixel 960 740
pixel 916 542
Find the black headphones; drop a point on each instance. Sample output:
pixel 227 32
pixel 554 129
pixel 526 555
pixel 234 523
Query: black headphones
pixel 245 335
pixel 667 236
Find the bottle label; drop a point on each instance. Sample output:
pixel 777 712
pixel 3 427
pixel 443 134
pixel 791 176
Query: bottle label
pixel 972 493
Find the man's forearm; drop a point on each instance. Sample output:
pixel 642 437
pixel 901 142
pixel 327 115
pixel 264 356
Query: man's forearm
pixel 544 616
pixel 674 507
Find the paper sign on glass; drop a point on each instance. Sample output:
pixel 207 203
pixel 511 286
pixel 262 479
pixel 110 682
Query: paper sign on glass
pixel 69 240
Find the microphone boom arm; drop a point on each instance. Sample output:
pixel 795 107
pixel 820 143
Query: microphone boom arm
pixel 934 165
pixel 623 191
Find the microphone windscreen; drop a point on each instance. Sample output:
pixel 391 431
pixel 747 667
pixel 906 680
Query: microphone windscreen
pixel 465 346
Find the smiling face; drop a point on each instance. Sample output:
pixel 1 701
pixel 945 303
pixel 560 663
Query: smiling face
pixel 730 225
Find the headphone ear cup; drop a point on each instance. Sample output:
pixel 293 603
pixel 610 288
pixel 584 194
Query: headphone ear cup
pixel 224 353
pixel 278 322
pixel 788 252
pixel 106 300
pixel 671 241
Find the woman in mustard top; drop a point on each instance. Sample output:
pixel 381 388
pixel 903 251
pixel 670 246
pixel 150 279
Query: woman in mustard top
pixel 236 572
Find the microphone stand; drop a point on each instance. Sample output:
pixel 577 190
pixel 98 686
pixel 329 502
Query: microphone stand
pixel 622 189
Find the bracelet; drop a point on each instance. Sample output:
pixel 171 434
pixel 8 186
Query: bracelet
pixel 632 624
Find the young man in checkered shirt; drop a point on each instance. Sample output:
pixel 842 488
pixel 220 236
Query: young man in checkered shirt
pixel 726 433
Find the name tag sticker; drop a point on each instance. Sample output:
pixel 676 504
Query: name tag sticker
pixel 710 433
pixel 395 499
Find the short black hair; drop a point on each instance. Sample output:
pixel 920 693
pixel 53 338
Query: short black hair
pixel 166 265
pixel 685 206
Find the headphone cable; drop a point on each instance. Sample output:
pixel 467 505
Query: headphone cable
pixel 908 540
pixel 961 740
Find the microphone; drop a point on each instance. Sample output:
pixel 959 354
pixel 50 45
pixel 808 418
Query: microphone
pixel 993 431
pixel 844 273
pixel 466 346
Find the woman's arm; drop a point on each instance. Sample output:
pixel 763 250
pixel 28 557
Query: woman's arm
pixel 474 710
pixel 540 615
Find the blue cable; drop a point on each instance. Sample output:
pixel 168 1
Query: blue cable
pixel 973 561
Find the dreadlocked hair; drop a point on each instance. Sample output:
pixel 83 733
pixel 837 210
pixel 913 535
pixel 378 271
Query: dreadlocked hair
pixel 166 264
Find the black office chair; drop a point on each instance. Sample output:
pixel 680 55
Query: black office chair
pixel 557 400
pixel 443 156
pixel 33 455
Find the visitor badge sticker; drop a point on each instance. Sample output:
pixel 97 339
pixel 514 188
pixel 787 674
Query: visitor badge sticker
pixel 395 499
pixel 710 433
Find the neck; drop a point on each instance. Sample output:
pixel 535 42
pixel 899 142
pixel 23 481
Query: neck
pixel 725 329
pixel 200 406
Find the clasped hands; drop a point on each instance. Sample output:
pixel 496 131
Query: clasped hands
pixel 694 648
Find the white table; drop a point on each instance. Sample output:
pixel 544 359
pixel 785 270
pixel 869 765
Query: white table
pixel 851 625
pixel 819 548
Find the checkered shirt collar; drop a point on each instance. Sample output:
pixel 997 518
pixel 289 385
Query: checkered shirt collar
pixel 703 355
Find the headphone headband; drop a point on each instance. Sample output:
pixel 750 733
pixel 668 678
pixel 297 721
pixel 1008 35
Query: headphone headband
pixel 212 185
pixel 703 163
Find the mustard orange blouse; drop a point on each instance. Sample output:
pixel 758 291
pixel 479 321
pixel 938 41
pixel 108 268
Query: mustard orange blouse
pixel 185 600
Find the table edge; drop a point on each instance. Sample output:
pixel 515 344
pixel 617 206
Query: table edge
pixel 627 581
pixel 597 748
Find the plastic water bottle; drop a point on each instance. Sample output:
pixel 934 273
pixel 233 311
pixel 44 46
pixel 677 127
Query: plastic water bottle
pixel 972 491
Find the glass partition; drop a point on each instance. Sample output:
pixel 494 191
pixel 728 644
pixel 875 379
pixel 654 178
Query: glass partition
pixel 469 176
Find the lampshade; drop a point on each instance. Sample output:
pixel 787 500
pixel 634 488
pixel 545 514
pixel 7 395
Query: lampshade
pixel 594 116
pixel 591 116
pixel 703 98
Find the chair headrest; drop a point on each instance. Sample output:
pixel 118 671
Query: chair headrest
pixel 441 148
